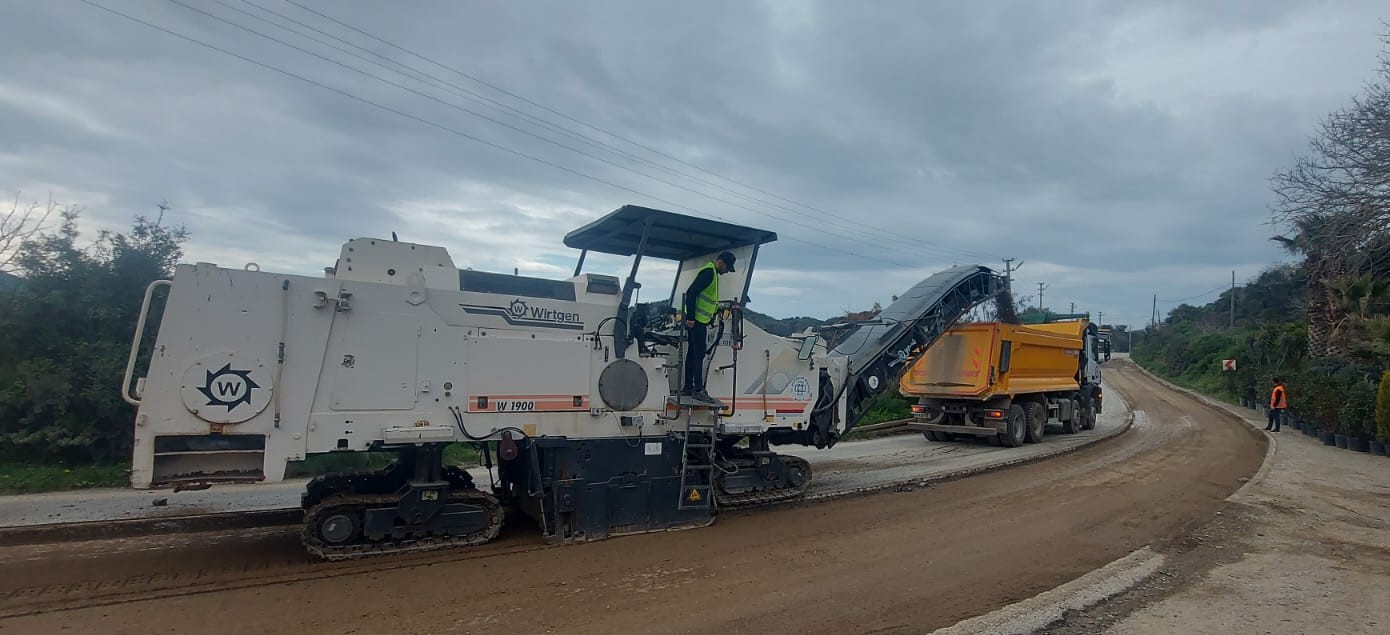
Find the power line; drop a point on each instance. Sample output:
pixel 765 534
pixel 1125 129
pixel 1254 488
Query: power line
pixel 448 129
pixel 578 151
pixel 916 243
pixel 915 246
pixel 1218 289
pixel 464 93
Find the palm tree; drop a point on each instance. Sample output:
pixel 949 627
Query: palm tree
pixel 1315 238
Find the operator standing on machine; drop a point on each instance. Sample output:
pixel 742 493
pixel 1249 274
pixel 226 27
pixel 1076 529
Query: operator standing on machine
pixel 701 303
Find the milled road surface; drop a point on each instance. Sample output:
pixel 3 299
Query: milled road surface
pixel 897 562
pixel 848 467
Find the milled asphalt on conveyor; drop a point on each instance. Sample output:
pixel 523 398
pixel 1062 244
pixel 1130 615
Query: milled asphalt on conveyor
pixel 849 467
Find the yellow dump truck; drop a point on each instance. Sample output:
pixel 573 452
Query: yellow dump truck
pixel 1006 382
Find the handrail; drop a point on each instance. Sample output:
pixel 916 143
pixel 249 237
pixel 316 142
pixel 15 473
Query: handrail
pixel 135 341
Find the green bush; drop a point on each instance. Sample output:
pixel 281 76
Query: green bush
pixel 1357 413
pixel 65 332
pixel 1316 394
pixel 1383 407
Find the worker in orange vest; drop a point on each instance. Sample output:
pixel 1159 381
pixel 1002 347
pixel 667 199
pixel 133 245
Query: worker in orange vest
pixel 1278 401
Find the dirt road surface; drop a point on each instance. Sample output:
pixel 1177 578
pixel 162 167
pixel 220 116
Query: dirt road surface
pixel 896 562
pixel 1304 549
pixel 850 466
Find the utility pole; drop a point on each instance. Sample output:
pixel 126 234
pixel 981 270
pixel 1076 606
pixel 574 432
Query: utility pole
pixel 1041 287
pixel 1233 298
pixel 1073 308
pixel 1009 269
pixel 1153 320
pixel 1100 318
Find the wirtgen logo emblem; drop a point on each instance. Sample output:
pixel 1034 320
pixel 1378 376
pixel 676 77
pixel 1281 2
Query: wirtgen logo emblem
pixel 228 388
pixel 519 313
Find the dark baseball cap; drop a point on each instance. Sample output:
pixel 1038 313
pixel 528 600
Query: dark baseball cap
pixel 728 259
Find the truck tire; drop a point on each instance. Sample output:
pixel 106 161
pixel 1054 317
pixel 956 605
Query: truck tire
pixel 1037 420
pixel 940 437
pixel 1073 424
pixel 1088 418
pixel 1016 428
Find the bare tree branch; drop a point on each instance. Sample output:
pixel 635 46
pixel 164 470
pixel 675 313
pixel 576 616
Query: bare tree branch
pixel 23 222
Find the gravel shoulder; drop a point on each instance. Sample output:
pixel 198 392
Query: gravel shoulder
pixel 1304 548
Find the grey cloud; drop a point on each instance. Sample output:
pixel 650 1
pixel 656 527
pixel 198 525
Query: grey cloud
pixel 1079 136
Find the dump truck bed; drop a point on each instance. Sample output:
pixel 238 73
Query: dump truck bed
pixel 988 359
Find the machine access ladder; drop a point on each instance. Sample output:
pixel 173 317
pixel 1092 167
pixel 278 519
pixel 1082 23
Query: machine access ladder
pixel 697 461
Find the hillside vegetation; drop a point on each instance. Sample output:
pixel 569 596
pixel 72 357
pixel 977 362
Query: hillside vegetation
pixel 1322 323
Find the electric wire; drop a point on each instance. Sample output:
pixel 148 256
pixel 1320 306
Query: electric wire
pixel 456 131
pixel 827 214
pixel 913 247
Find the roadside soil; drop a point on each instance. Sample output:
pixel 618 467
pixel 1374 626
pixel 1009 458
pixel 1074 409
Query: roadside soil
pixel 1304 550
pixel 897 562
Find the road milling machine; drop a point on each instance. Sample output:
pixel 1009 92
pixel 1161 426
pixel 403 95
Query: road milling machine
pixel 571 398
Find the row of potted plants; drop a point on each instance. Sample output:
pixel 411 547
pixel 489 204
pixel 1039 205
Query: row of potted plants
pixel 1345 435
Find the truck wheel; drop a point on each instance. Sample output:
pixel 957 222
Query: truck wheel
pixel 1037 419
pixel 1088 419
pixel 1073 425
pixel 1016 428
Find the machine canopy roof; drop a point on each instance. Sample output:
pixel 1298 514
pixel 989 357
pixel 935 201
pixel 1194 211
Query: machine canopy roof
pixel 672 237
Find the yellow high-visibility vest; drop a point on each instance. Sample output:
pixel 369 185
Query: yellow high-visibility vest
pixel 708 301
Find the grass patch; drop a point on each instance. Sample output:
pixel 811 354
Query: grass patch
pixel 454 454
pixel 23 478
pixel 890 408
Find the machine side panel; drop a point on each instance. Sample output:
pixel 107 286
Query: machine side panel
pixel 217 318
pixel 771 385
pixel 373 360
pixel 555 371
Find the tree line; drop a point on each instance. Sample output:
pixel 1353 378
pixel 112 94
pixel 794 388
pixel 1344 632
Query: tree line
pixel 1322 323
pixel 66 322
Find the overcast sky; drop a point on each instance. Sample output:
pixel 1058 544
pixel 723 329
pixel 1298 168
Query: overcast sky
pixel 1118 149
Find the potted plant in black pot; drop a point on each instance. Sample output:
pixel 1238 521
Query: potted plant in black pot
pixel 1357 413
pixel 1382 417
pixel 1358 439
pixel 1318 396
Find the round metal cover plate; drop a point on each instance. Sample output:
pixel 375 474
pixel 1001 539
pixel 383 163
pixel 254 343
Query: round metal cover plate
pixel 226 388
pixel 622 384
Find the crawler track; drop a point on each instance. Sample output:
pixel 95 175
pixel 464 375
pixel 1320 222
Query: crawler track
pixel 360 503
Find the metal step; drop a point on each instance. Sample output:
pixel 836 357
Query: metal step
pixel 697 464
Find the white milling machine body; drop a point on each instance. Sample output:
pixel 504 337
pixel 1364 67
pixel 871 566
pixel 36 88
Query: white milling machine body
pixel 397 349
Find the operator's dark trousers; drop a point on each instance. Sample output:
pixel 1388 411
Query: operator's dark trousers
pixel 1276 417
pixel 695 358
